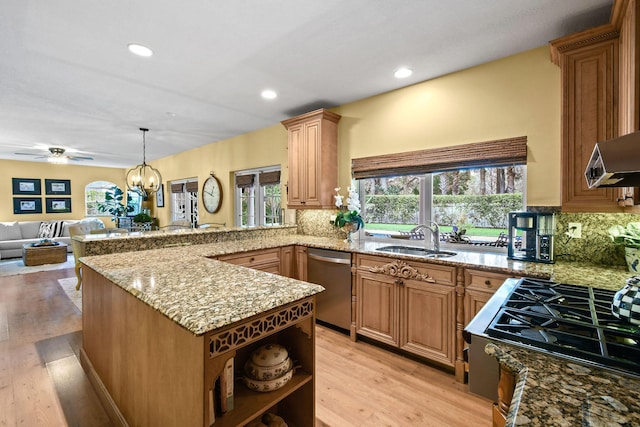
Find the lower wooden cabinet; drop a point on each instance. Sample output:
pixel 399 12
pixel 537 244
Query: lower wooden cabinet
pixel 409 305
pixel 301 263
pixel 479 287
pixel 264 260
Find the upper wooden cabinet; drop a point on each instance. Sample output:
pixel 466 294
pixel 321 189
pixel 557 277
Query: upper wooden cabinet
pixel 313 159
pixel 599 69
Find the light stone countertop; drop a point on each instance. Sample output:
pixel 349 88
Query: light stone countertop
pixel 202 294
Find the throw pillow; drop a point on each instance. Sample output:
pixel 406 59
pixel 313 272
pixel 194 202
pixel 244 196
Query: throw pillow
pixel 51 229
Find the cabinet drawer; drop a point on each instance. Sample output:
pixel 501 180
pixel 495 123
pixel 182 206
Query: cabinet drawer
pixel 442 274
pixel 250 259
pixel 484 280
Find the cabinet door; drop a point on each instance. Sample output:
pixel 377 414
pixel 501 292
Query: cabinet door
pixel 377 307
pixel 310 175
pixel 287 262
pixel 589 115
pixel 428 320
pixel 295 188
pixel 479 287
pixel 301 263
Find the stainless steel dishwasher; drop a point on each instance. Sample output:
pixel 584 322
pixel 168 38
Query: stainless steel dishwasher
pixel 331 269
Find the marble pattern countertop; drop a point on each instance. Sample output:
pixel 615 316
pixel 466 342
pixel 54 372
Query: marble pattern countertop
pixel 556 392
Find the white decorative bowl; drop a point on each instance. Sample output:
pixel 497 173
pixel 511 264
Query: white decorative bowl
pixel 263 373
pixel 268 385
pixel 269 355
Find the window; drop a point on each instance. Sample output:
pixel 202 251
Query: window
pixel 470 205
pixel 94 194
pixel 184 201
pixel 257 197
pixel 466 189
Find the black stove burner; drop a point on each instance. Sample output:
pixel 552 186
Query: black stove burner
pixel 568 319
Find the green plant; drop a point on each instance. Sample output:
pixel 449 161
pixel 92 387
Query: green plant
pixel 629 236
pixel 142 217
pixel 348 214
pixel 113 203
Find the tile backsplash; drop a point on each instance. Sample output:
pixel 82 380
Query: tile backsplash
pixel 596 245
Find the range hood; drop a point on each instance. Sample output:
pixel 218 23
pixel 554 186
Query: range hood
pixel 615 163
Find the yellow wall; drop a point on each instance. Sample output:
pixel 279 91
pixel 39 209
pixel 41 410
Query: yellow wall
pixel 514 96
pixel 266 147
pixel 79 176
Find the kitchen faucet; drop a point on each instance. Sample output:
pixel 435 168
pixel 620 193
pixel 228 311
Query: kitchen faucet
pixel 435 232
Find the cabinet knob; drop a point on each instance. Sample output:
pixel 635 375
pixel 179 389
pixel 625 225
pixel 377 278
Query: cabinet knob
pixel 252 259
pixel 487 282
pixel 399 282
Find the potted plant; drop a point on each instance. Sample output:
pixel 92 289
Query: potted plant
pixel 113 203
pixel 628 236
pixel 348 217
pixel 143 220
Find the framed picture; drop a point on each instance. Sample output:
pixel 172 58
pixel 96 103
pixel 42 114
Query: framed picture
pixel 57 187
pixel 27 205
pixel 26 186
pixel 60 205
pixel 160 196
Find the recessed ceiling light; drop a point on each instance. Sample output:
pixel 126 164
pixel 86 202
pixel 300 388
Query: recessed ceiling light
pixel 140 50
pixel 402 73
pixel 269 94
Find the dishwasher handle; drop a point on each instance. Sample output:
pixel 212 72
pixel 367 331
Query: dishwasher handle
pixel 332 260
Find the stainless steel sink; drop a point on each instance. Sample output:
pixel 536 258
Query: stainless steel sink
pixel 413 250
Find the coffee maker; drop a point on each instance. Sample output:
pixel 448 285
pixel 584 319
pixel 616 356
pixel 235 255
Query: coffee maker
pixel 531 236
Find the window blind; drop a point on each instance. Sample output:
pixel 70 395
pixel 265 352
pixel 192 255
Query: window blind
pixel 244 181
pixel 269 178
pixel 501 152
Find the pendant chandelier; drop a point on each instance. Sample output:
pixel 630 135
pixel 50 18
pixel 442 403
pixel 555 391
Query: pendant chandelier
pixel 144 179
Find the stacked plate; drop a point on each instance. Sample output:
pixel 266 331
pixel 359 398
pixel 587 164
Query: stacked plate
pixel 269 368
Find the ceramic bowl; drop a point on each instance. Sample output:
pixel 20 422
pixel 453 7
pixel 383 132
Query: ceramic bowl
pixel 268 385
pixel 263 373
pixel 269 355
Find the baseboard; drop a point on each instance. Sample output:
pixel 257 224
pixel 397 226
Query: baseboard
pixel 109 405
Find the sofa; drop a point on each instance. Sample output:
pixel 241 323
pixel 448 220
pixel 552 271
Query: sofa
pixel 15 234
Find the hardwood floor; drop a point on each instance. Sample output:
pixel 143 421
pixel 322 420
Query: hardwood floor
pixel 42 383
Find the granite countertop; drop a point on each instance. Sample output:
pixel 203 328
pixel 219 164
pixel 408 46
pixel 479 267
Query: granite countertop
pixel 198 293
pixel 202 294
pixel 552 391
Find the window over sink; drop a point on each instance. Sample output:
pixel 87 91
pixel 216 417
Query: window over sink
pixel 468 190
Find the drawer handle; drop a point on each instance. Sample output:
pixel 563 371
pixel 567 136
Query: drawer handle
pixel 399 282
pixel 487 282
pixel 252 259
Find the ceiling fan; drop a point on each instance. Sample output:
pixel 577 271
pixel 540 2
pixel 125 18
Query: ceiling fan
pixel 57 156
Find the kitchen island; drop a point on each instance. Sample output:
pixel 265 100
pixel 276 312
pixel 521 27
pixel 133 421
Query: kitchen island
pixel 158 329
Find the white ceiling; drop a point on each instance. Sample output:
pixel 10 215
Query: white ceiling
pixel 67 79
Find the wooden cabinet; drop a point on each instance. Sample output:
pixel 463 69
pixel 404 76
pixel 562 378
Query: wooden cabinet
pixel 589 90
pixel 480 285
pixel 301 263
pixel 409 305
pixel 287 261
pixel 313 159
pixel 265 260
pixel 600 100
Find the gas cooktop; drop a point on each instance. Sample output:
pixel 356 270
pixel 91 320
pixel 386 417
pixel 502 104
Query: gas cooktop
pixel 568 320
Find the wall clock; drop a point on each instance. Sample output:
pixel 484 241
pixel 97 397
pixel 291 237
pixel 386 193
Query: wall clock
pixel 212 194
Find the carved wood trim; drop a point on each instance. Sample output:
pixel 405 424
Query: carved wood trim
pixel 251 331
pixel 399 268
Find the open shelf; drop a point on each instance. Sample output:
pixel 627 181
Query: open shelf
pixel 249 404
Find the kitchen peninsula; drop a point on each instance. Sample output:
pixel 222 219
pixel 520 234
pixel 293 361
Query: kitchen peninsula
pixel 160 325
pixel 168 281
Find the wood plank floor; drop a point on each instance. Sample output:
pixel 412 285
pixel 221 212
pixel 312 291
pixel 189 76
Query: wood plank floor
pixel 358 384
